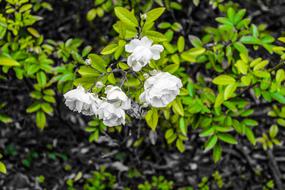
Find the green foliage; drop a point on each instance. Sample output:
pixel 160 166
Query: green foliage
pixel 218 100
pixel 157 183
pixel 218 109
pixel 100 180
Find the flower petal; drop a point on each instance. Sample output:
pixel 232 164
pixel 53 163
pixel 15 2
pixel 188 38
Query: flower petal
pixel 132 45
pixel 156 50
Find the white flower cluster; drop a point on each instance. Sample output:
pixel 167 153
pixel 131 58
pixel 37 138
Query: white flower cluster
pixel 160 88
pixel 110 109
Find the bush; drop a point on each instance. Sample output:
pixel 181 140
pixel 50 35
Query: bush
pixel 150 76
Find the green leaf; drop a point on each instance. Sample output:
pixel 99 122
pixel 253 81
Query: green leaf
pixel 168 133
pixel 227 138
pixel 260 65
pixel 239 15
pixel 155 36
pixel 207 132
pixel 109 49
pixel 26 7
pixel 91 14
pixel 178 107
pixel 242 66
pixel 191 54
pixel 280 76
pixel 219 100
pixel 255 62
pixel 5 119
pixel 151 118
pixel 180 145
pixel 196 2
pixel 98 63
pixel 217 153
pixel 224 80
pixel 224 21
pixel 195 41
pixel 273 131
pixel 171 68
pixel 250 40
pixel 191 90
pixel 154 14
pixel 231 14
pixel 47 108
pixel 183 126
pixel 41 78
pixel 7 61
pixel 41 119
pixel 164 25
pixel 180 43
pixel 211 142
pixel 279 97
pixel 87 71
pixel 240 47
pixel 126 16
pixel 34 107
pixel 3 168
pixel 86 50
pixel 34 32
pixel 282 39
pixel 229 91
pixel 250 135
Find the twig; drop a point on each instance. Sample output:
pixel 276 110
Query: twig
pixel 275 169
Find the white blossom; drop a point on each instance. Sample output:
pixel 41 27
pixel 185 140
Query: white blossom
pixel 80 101
pixel 88 61
pixel 110 114
pixel 117 97
pixel 99 84
pixel 142 51
pixel 160 89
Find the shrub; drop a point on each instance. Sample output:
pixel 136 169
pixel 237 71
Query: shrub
pixel 153 72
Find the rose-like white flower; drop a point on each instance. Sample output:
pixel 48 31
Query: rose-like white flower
pixel 142 51
pixel 111 115
pixel 80 101
pixel 160 89
pixel 117 97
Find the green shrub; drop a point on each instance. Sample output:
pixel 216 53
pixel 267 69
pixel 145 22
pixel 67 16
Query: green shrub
pixel 216 81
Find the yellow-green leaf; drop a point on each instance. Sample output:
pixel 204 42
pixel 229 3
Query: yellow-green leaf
pixel 229 91
pixel 151 118
pixel 7 61
pixel 109 49
pixel 126 16
pixel 178 107
pixel 154 14
pixel 224 80
pixel 3 168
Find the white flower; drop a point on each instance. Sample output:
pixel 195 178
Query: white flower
pixel 117 97
pixel 143 16
pixel 142 51
pixel 99 84
pixel 160 89
pixel 80 101
pixel 88 61
pixel 111 115
pixel 95 103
